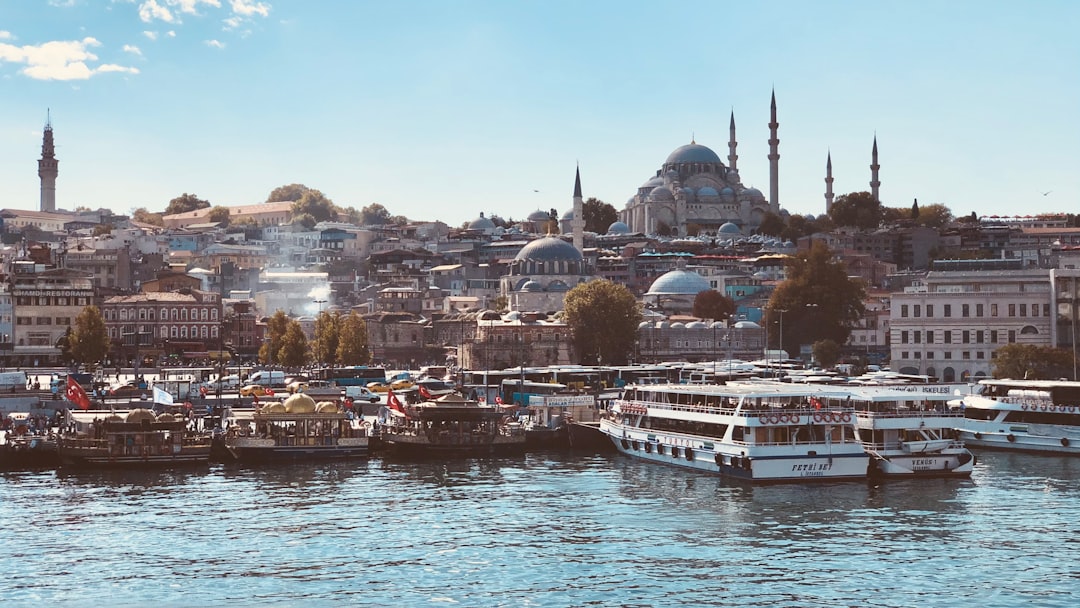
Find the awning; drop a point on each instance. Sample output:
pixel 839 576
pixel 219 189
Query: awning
pixel 197 355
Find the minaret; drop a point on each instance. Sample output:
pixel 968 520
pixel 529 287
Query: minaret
pixel 577 224
pixel 875 183
pixel 828 183
pixel 732 157
pixel 774 159
pixel 47 169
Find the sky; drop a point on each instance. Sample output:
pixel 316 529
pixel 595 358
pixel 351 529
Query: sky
pixel 442 110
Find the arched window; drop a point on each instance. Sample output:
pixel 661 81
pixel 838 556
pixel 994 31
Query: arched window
pixel 123 314
pixel 213 314
pixel 183 331
pixel 174 332
pixel 202 331
pixel 164 314
pixel 204 314
pixel 213 331
pixel 194 331
pixel 175 315
pixel 183 314
pixel 164 331
pixel 1029 330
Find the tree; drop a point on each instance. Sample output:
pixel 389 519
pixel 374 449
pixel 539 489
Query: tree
pixel 294 346
pixel 275 332
pixel 711 304
pixel 859 209
pixel 826 353
pixel 603 319
pixel 184 203
pixel 288 192
pixel 771 224
pixel 146 217
pixel 374 214
pixel 598 215
pixel 102 229
pixel 353 216
pixel 305 220
pixel 352 348
pixel 551 226
pixel 934 216
pixel 315 204
pixel 89 342
pixel 915 210
pixel 65 343
pixel 501 303
pixel 818 301
pixel 1027 362
pixel 327 336
pixel 219 215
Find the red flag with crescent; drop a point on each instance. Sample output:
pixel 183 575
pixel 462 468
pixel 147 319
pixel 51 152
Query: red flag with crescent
pixel 426 394
pixel 76 394
pixel 393 402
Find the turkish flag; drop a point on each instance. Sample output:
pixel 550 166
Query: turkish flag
pixel 426 394
pixel 394 404
pixel 76 394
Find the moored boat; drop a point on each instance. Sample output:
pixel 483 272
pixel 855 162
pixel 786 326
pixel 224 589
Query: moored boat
pixel 763 433
pixel 297 430
pixel 449 424
pixel 138 438
pixel 1024 415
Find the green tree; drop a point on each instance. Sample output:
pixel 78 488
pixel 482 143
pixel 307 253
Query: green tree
pixel 315 204
pixel 500 304
pixel 915 210
pixel 1028 362
pixel 275 333
pixel 327 336
pixel 771 224
pixel 859 209
pixel 603 319
pixel 102 229
pixel 819 301
pixel 711 304
pixel 934 216
pixel 184 203
pixel 288 192
pixel 826 353
pixel 352 348
pixel 143 216
pixel 304 219
pixel 219 215
pixel 294 351
pixel 374 214
pixel 353 216
pixel 598 215
pixel 65 343
pixel 89 342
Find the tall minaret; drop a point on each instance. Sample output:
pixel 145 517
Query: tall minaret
pixel 577 224
pixel 47 169
pixel 774 159
pixel 875 183
pixel 828 183
pixel 732 157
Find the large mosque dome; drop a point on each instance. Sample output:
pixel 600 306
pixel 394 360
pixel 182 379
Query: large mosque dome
pixel 482 223
pixel 679 282
pixel 692 153
pixel 549 249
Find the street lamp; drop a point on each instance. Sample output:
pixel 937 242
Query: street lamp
pixel 318 352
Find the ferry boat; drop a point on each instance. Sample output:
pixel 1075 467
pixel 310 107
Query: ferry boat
pixel 449 424
pixel 770 432
pixel 1025 415
pixel 138 438
pixel 296 429
pixel 908 430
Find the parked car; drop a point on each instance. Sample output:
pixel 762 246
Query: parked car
pixel 402 385
pixel 255 390
pixel 126 389
pixel 378 387
pixel 361 393
pixel 296 387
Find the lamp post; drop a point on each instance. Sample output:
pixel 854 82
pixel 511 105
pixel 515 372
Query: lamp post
pixel 318 320
pixel 811 310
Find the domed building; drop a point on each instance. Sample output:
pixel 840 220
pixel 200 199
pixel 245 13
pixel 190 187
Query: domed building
pixel 693 187
pixel 483 225
pixel 674 291
pixel 541 274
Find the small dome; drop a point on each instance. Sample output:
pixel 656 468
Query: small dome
pixel 644 324
pixel 727 193
pixel 532 286
pixel 539 216
pixel 678 325
pixel 549 249
pixel 679 282
pixel 716 325
pixel 482 223
pixel 692 153
pixel 569 215
pixel 729 228
pixel 618 228
pixel 747 325
pixel 752 193
pixel 661 193
pixel 696 325
pixel 707 191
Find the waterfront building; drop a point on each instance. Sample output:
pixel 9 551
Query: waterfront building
pixel 261 214
pixel 146 327
pixel 46 303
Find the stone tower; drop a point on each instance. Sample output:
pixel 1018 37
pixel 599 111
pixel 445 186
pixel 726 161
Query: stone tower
pixel 48 169
pixel 578 223
pixel 828 183
pixel 774 158
pixel 875 183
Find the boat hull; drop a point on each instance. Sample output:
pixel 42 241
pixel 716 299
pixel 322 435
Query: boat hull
pixel 1018 439
pixel 267 450
pixel 406 444
pixel 940 464
pixel 81 458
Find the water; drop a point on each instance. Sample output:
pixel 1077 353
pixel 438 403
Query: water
pixel 546 529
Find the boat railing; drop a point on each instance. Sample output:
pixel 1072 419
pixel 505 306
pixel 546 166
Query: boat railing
pixel 892 414
pixel 731 410
pixel 899 445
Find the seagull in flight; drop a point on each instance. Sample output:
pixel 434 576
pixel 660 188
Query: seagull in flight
pixel 1047 192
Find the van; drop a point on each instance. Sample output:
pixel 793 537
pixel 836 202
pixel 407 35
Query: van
pixel 361 393
pixel 12 380
pixel 267 378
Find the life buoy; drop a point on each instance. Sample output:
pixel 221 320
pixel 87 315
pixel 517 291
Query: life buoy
pixel 1065 441
pixel 846 417
pixel 1011 438
pixel 660 449
pixel 365 424
pixel 719 460
pixel 648 448
pixel 774 419
pixel 689 454
pixel 1023 406
pixel 784 418
pixel 794 419
pixel 763 419
pixel 637 446
pixel 817 416
pixel 978 435
pixel 625 444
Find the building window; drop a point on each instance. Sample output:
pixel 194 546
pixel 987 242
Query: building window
pixel 1034 310
pixel 1046 310
pixel 993 336
pixel 917 310
pixel 929 310
pixel 1012 310
pixel 929 336
pixel 966 354
pixel 993 310
pixel 929 354
pixel 1023 310
pixel 966 337
pixel 183 331
pixel 903 337
pixel 965 310
pixel 1012 336
pixel 164 331
pixel 174 332
pixel 978 310
pixel 948 354
pixel 918 355
pixel 947 335
pixel 979 337
pixel 903 310
pixel 917 336
pixel 947 309
pixel 980 355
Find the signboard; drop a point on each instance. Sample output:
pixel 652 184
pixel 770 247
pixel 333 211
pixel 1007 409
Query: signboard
pixel 561 400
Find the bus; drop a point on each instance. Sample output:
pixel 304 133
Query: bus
pixel 353 375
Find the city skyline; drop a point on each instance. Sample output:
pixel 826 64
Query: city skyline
pixel 488 107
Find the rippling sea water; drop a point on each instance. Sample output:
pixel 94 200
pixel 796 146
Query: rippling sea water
pixel 546 529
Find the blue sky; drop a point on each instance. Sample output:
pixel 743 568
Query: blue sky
pixel 445 109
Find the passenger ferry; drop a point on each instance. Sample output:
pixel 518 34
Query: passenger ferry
pixel 1027 415
pixel 908 430
pixel 762 432
pixel 138 438
pixel 297 429
pixel 449 424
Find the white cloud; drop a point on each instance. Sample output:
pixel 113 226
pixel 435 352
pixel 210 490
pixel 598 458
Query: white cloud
pixel 131 48
pixel 170 34
pixel 150 10
pixel 5 35
pixel 149 34
pixel 233 22
pixel 248 8
pixel 58 60
pixel 63 3
pixel 190 6
pixel 217 44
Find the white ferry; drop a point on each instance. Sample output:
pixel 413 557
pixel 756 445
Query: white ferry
pixel 909 430
pixel 1027 415
pixel 764 433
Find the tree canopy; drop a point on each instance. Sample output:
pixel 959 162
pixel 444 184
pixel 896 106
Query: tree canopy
pixel 275 332
pixel 374 214
pixel 184 203
pixel 315 204
pixel 603 318
pixel 294 346
pixel 288 192
pixel 598 215
pixel 352 348
pixel 859 209
pixel 219 215
pixel 327 336
pixel 818 301
pixel 1028 362
pixel 146 217
pixel 771 224
pixel 826 353
pixel 89 342
pixel 711 304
